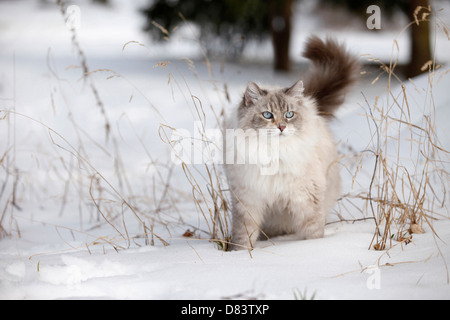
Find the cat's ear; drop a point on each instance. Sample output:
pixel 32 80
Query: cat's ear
pixel 252 94
pixel 296 90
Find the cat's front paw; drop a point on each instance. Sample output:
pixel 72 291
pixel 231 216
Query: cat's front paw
pixel 237 247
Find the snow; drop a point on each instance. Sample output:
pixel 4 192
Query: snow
pixel 59 247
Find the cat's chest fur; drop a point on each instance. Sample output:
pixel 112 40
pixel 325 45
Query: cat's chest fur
pixel 290 166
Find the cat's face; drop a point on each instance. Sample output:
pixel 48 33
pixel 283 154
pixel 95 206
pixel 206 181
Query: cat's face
pixel 279 111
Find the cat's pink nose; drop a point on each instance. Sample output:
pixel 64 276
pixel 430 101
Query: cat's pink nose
pixel 281 128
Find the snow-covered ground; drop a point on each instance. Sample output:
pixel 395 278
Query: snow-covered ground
pixel 59 163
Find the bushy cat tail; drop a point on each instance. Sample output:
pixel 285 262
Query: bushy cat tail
pixel 333 71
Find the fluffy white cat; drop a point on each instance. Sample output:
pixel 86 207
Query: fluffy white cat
pixel 281 158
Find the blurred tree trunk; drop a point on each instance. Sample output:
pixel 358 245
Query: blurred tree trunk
pixel 420 38
pixel 280 16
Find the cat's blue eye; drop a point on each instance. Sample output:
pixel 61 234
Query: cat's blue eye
pixel 267 115
pixel 289 114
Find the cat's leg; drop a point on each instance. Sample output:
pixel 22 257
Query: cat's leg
pixel 308 214
pixel 313 227
pixel 322 197
pixel 247 219
pixel 306 223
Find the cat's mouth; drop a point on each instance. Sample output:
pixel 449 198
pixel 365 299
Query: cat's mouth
pixel 281 133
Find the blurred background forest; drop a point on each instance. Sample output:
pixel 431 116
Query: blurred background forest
pixel 228 25
pixel 226 28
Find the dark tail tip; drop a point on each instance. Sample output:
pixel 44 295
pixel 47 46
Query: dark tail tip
pixel 333 71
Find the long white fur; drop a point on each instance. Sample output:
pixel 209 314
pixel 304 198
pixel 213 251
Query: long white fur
pixel 298 196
